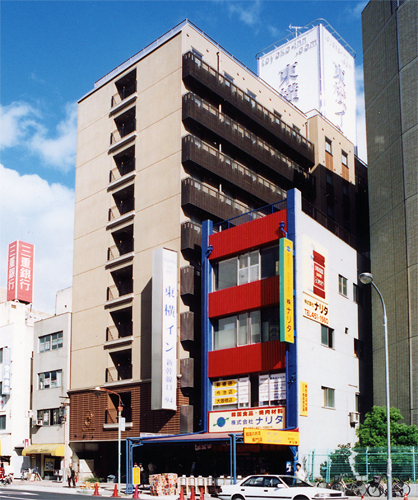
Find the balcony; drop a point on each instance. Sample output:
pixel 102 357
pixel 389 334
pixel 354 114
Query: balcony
pixel 196 110
pixel 196 152
pixel 293 144
pixel 121 326
pixel 123 169
pixel 116 374
pixel 121 132
pixel 125 95
pixel 191 237
pixel 115 252
pixel 209 200
pixel 114 332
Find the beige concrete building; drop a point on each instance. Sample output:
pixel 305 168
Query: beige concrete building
pixel 179 133
pixel 390 47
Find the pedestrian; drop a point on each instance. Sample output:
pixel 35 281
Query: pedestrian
pixel 300 473
pixel 141 476
pixel 71 475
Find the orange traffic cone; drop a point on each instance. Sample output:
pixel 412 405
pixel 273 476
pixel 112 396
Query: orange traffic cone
pixel 202 493
pixel 406 496
pixel 96 490
pixel 115 492
pixel 136 492
pixel 181 493
pixel 362 496
pixel 192 495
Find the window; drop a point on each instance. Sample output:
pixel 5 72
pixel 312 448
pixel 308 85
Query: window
pixel 329 397
pixel 48 342
pixel 327 336
pixel 342 285
pixel 1 355
pixel 2 422
pixel 49 380
pixel 247 267
pixel 358 294
pixel 228 77
pixel 246 328
pixel 50 417
pixel 197 53
pixel 328 145
pixel 344 159
pixel 251 94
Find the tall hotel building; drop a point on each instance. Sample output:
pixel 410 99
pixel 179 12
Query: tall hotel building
pixel 180 133
pixel 390 47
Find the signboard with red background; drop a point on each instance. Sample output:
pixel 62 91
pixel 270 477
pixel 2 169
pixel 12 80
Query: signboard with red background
pixel 20 272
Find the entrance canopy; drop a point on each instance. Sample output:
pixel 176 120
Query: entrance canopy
pixel 56 450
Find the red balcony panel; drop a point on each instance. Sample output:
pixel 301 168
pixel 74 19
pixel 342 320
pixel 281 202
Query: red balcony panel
pixel 255 295
pixel 241 238
pixel 267 356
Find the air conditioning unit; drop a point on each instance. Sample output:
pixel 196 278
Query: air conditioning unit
pixel 39 423
pixel 354 418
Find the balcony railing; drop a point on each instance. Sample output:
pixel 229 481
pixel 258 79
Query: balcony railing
pixel 331 225
pixel 121 170
pixel 295 144
pixel 120 373
pixel 115 292
pixel 198 110
pixel 203 155
pixel 121 209
pixel 191 236
pixel 210 200
pixel 118 250
pixel 124 93
pixel 122 131
pixel 117 332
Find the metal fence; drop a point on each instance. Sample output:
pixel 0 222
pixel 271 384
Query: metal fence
pixel 362 463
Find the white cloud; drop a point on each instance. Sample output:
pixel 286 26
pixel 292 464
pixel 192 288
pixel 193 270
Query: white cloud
pixel 247 12
pixel 358 9
pixel 361 115
pixel 58 151
pixel 16 121
pixel 34 211
pixel 22 125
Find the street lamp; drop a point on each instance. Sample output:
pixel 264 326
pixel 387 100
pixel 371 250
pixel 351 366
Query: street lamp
pixel 120 408
pixel 367 279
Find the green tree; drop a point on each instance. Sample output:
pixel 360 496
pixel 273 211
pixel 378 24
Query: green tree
pixel 373 431
pixel 339 462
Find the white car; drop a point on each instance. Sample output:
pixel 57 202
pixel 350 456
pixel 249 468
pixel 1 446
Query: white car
pixel 269 486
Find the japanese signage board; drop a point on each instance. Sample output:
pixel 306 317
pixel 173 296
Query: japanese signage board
pixel 303 399
pixel 20 272
pixel 315 282
pixel 267 436
pixel 7 370
pixel 272 387
pixel 286 290
pixel 272 417
pixel 164 330
pixel 315 71
pixel 227 392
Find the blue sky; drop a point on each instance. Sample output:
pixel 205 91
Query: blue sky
pixel 52 52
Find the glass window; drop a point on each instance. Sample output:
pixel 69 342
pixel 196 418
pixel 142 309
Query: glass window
pixel 344 158
pixel 242 334
pixel 57 340
pixel 45 419
pixel 2 422
pixel 327 335
pixel 254 265
pixel 269 262
pixel 225 333
pixel 270 324
pixel 342 285
pixel 329 397
pixel 226 274
pixel 1 355
pixel 255 319
pixel 48 380
pixel 251 94
pixel 55 416
pixel 243 269
pixel 228 77
pixel 44 343
pixel 328 145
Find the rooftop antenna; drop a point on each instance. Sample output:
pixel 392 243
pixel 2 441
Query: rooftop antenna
pixel 296 28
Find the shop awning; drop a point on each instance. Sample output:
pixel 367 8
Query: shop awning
pixel 56 450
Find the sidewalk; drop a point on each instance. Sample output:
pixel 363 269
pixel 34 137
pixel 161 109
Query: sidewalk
pixel 105 489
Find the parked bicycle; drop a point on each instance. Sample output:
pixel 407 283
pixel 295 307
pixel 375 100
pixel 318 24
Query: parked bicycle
pixel 377 487
pixel 353 488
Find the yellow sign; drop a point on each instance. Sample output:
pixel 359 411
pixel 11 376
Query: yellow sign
pixel 225 401
pixel 286 290
pixel 225 392
pixel 136 475
pixel 270 436
pixel 303 399
pixel 225 383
